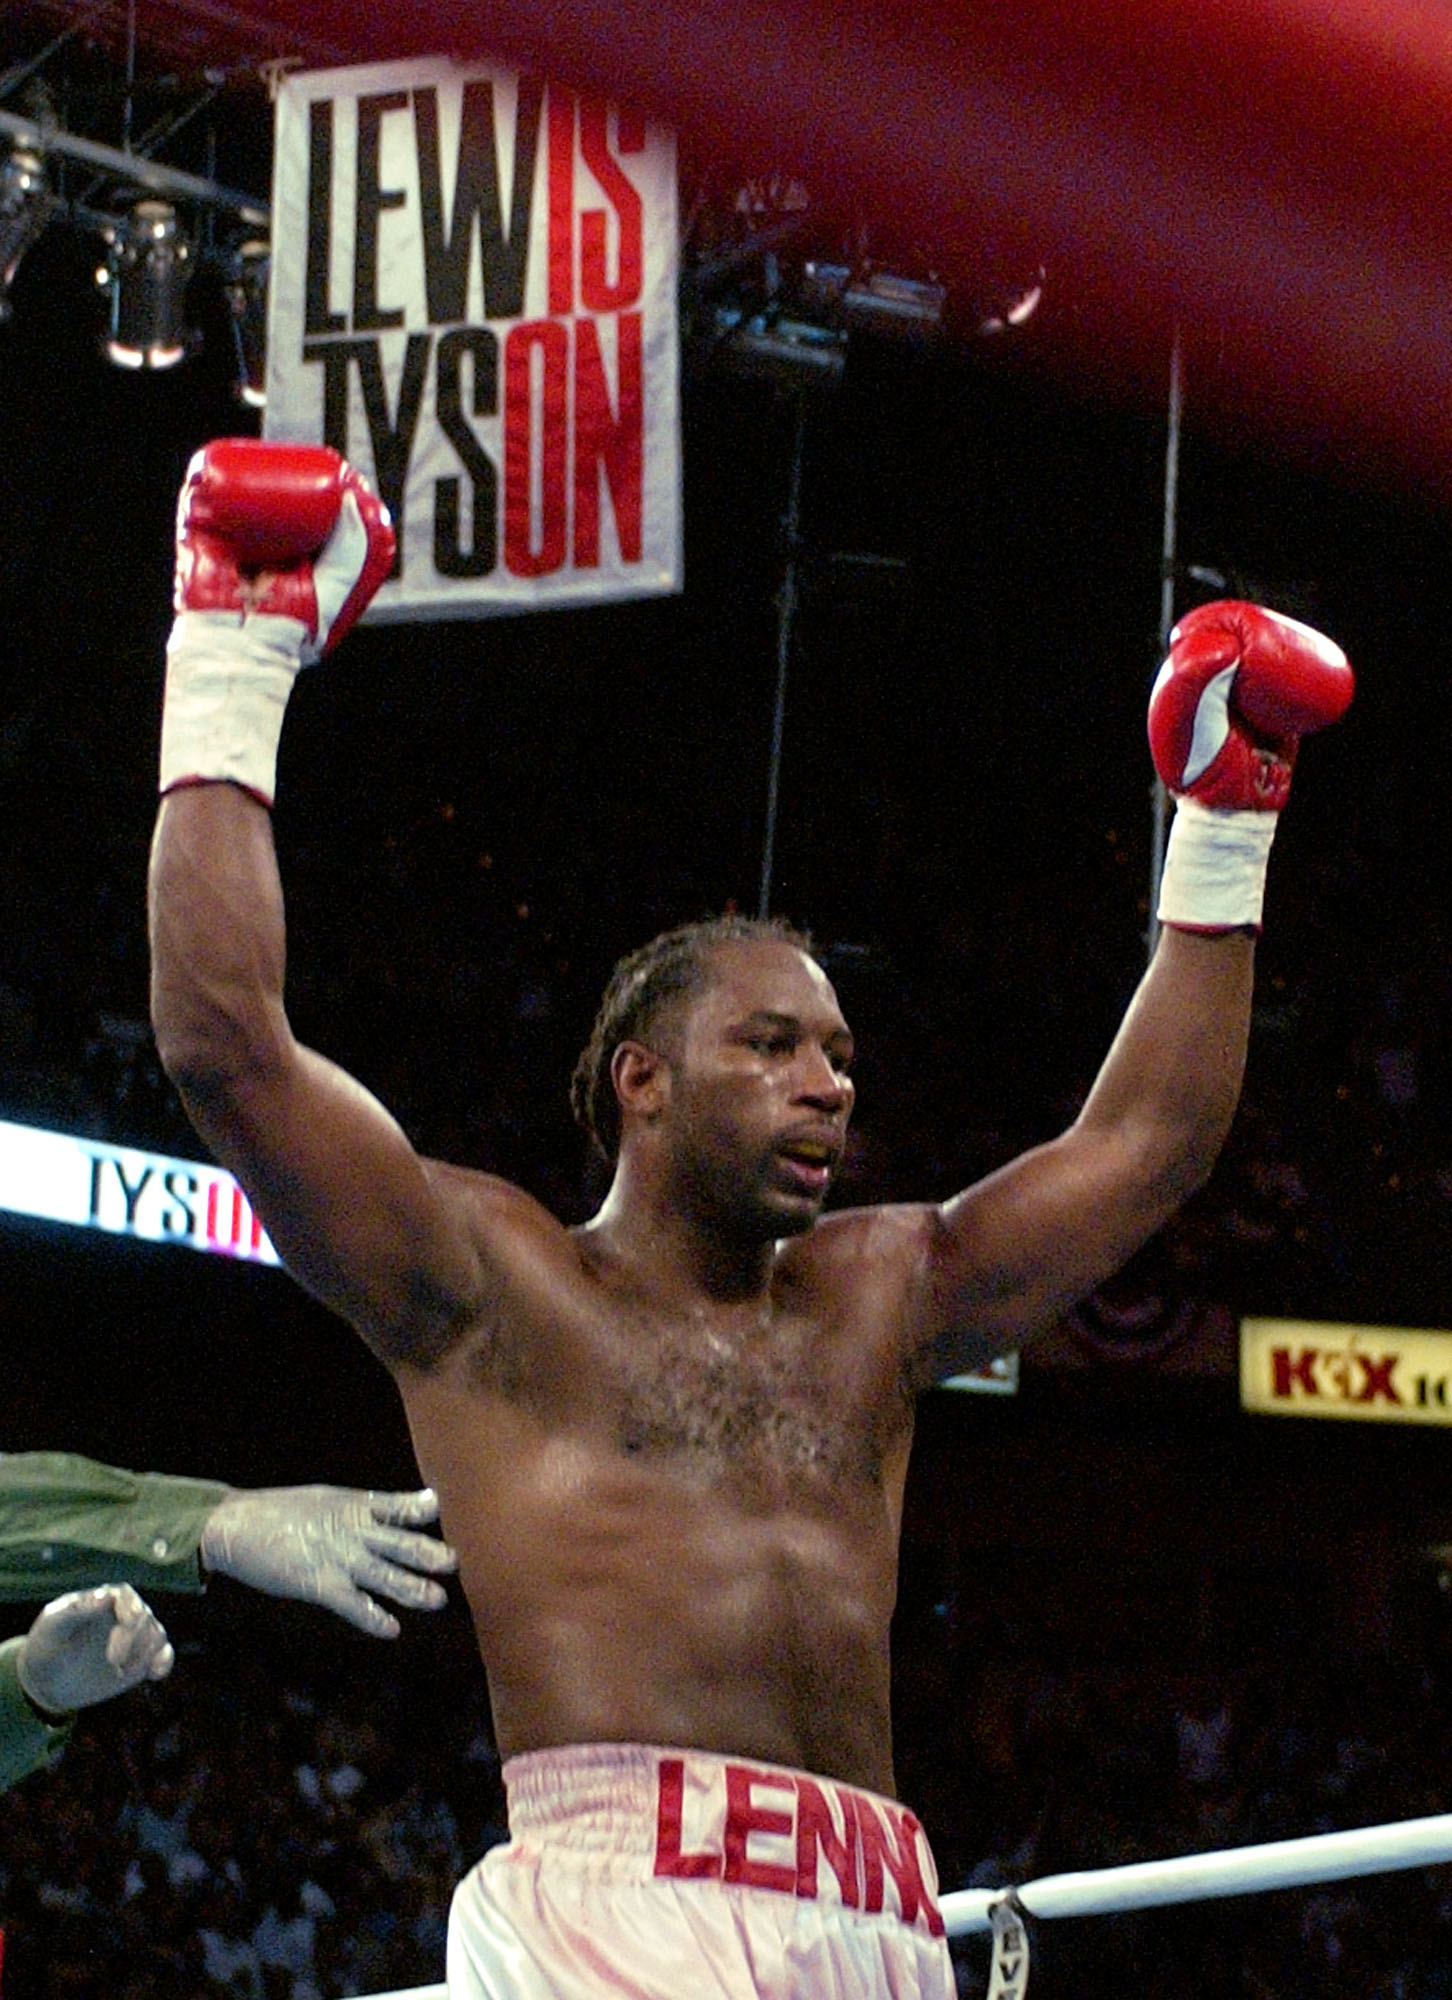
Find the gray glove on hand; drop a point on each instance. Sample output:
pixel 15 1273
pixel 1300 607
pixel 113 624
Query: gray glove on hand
pixel 89 1645
pixel 331 1545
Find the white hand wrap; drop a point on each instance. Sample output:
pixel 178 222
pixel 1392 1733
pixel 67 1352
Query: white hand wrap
pixel 228 678
pixel 1215 864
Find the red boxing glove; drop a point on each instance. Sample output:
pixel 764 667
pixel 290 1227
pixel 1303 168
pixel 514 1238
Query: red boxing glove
pixel 1239 689
pixel 279 548
pixel 289 530
pixel 1229 707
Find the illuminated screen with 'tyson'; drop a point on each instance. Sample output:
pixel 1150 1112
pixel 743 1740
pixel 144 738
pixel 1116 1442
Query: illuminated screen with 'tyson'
pixel 126 1192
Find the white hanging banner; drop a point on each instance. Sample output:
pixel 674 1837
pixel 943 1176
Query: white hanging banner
pixel 473 297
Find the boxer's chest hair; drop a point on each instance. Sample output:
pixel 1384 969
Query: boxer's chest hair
pixel 762 1400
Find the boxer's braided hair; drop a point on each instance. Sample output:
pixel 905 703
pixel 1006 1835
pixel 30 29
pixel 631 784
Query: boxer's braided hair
pixel 644 983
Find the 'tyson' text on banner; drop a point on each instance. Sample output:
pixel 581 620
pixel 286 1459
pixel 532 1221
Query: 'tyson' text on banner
pixel 473 298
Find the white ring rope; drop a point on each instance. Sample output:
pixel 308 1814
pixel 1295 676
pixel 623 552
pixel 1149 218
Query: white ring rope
pixel 1186 1878
pixel 1233 1871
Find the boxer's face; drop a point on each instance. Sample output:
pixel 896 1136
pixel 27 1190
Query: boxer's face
pixel 759 1093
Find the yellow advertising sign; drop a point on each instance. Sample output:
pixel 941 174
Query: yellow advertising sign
pixel 1370 1374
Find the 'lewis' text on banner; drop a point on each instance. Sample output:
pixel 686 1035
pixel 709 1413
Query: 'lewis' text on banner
pixel 473 298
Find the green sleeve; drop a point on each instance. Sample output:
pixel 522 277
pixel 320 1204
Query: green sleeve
pixel 67 1523
pixel 26 1740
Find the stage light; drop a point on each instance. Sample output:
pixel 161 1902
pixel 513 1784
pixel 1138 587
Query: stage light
pixel 26 207
pixel 771 345
pixel 1016 307
pixel 245 287
pixel 145 276
pixel 873 301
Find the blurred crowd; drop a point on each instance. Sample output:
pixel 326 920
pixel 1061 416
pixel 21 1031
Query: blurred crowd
pixel 250 1832
pixel 1097 1769
pixel 277 1823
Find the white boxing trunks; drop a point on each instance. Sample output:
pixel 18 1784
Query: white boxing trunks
pixel 679 1875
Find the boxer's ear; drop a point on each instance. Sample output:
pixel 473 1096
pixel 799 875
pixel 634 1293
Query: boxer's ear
pixel 642 1080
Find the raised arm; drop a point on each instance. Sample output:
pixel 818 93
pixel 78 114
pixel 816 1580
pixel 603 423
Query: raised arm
pixel 279 548
pixel 1240 687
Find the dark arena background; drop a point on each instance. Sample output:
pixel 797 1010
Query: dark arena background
pixel 1134 1620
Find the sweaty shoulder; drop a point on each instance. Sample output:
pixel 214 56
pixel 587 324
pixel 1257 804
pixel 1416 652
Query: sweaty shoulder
pixel 507 1225
pixel 877 1258
pixel 889 1274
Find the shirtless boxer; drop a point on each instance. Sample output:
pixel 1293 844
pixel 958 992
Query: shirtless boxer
pixel 670 1446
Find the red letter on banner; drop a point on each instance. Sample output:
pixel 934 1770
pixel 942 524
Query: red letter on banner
pixel 521 556
pixel 562 200
pixel 614 445
pixel 596 291
pixel 1376 1379
pixel 1288 1373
